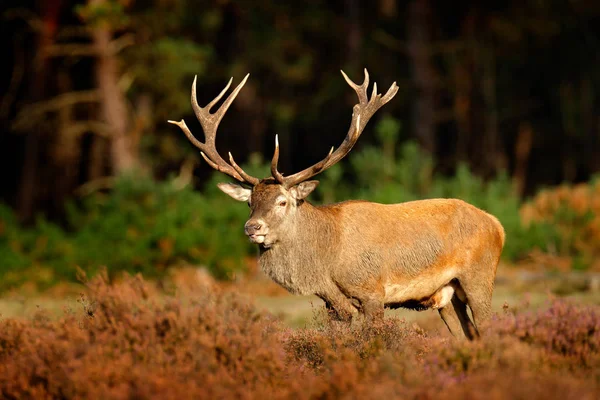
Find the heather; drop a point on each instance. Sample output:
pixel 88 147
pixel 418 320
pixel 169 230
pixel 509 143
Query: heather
pixel 132 339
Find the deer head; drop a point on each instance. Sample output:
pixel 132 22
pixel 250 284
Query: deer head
pixel 275 200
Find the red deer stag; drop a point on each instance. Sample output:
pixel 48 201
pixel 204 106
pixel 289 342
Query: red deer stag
pixel 356 255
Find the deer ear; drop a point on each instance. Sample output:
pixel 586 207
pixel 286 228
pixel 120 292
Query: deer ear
pixel 238 192
pixel 301 190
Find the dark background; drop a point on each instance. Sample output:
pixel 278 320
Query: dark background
pixel 86 87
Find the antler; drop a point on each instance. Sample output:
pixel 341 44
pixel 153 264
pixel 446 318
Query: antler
pixel 362 113
pixel 210 123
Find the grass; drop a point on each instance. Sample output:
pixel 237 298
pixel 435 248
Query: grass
pixel 514 287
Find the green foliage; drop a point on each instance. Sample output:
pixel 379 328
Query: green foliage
pixel 107 12
pixel 574 212
pixel 149 226
pixel 141 225
pixel 165 64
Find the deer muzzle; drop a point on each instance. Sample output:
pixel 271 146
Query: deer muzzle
pixel 256 230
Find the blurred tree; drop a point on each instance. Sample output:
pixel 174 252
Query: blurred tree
pixel 103 17
pixel 46 27
pixel 423 72
pixel 498 85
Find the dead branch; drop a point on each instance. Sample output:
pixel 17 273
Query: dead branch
pixel 35 22
pixel 95 127
pixel 121 43
pixel 90 187
pixel 68 32
pixel 71 50
pixel 89 50
pixel 186 173
pixel 31 114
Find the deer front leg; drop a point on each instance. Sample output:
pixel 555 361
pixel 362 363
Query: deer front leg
pixel 339 307
pixel 368 299
pixel 372 309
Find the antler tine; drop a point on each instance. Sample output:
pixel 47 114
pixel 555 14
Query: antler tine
pixel 279 176
pixel 274 161
pixel 362 113
pixel 361 90
pixel 210 123
pixel 318 167
pixel 216 99
pixel 248 178
pixel 182 125
pixel 390 93
pixel 223 109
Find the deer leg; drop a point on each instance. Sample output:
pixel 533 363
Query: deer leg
pixel 479 299
pixel 372 310
pixel 452 321
pixel 370 302
pixel 339 307
pixel 467 326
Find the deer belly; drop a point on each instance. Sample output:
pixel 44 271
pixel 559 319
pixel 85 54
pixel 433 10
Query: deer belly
pixel 437 300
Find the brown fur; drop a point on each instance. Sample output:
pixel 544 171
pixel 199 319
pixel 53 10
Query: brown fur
pixel 360 256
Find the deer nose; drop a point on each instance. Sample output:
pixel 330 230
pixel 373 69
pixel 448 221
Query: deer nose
pixel 253 227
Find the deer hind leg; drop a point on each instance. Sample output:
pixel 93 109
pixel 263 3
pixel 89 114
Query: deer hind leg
pixel 452 321
pixel 457 320
pixel 478 292
pixel 469 329
pixel 454 311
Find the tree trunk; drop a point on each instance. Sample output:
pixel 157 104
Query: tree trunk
pixel 354 35
pixel 388 8
pixel 30 179
pixel 523 148
pixel 66 150
pixel 123 151
pixel 497 158
pixel 423 72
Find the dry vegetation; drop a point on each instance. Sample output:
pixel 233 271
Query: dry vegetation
pixel 128 340
pixel 574 211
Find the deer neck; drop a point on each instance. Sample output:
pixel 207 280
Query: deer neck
pixel 304 250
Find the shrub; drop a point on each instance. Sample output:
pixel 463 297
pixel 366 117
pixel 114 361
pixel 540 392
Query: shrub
pixel 128 340
pixel 141 225
pixel 34 254
pixel 574 212
pixel 149 226
pixel 569 334
pixel 127 343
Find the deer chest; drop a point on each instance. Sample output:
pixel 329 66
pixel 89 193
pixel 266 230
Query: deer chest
pixel 289 277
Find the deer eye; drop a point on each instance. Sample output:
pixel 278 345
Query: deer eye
pixel 282 203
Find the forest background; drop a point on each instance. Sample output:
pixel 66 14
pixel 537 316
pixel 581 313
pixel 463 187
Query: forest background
pixel 498 105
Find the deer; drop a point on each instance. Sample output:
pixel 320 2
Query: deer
pixel 361 257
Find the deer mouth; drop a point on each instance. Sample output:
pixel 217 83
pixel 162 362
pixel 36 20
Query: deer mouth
pixel 261 240
pixel 257 238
